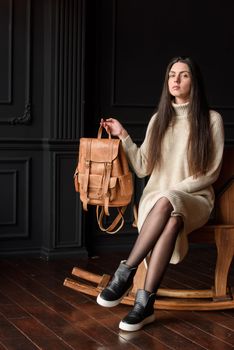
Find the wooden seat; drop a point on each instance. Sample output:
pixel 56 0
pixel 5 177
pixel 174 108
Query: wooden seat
pixel 219 230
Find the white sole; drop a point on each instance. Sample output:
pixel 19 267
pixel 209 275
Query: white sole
pixel 113 303
pixel 135 327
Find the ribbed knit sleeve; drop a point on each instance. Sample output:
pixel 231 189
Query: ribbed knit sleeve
pixel 137 156
pixel 191 184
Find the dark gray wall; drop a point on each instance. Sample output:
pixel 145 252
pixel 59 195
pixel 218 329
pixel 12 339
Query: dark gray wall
pixel 41 114
pixel 63 65
pixel 134 41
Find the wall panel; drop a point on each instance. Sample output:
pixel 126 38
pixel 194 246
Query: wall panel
pixel 15 62
pixel 66 219
pixel 40 118
pixel 6 19
pixel 15 194
pixel 63 228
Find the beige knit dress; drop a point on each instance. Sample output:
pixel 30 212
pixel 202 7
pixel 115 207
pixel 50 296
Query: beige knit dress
pixel 191 198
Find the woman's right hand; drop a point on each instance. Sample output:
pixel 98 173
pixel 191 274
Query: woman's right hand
pixel 114 127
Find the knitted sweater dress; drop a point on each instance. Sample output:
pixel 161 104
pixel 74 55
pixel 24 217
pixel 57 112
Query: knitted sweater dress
pixel 191 198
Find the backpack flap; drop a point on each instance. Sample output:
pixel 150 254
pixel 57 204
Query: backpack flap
pixel 104 150
pixel 96 157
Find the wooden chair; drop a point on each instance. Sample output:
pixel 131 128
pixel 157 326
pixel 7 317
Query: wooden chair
pixel 219 230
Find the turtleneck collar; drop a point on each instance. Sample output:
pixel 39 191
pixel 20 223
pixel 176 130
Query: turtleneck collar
pixel 181 110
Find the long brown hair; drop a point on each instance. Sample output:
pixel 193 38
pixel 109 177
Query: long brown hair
pixel 198 114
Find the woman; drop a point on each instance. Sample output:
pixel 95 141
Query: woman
pixel 182 154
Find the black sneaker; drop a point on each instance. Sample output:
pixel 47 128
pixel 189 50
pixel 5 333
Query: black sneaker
pixel 119 286
pixel 142 312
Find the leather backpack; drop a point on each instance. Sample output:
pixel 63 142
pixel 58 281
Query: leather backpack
pixel 103 179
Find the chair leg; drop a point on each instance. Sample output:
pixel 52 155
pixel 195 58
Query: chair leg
pixel 224 238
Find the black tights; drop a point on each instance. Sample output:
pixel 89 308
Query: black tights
pixel 158 236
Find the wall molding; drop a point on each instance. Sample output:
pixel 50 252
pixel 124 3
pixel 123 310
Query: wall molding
pixel 68 70
pixel 13 174
pixel 59 239
pixel 19 226
pixel 9 33
pixel 26 117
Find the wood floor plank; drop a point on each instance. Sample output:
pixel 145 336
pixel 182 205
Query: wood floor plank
pixel 12 338
pixel 55 323
pixel 168 336
pixel 7 330
pixel 4 300
pixel 21 343
pixel 41 335
pixel 106 318
pixel 99 311
pixel 75 317
pixel 34 330
pixel 229 313
pixel 218 317
pixel 33 301
pixel 204 332
pixel 42 274
pixel 211 327
pixel 160 331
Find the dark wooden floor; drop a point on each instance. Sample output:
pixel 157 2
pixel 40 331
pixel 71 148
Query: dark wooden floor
pixel 38 312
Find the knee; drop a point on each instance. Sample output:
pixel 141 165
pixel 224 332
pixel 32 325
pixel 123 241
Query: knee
pixel 164 206
pixel 175 223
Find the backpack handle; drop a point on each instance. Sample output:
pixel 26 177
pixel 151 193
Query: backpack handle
pixel 119 219
pixel 99 135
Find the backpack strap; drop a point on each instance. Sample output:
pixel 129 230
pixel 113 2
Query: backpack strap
pixel 106 180
pixel 110 229
pixel 86 174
